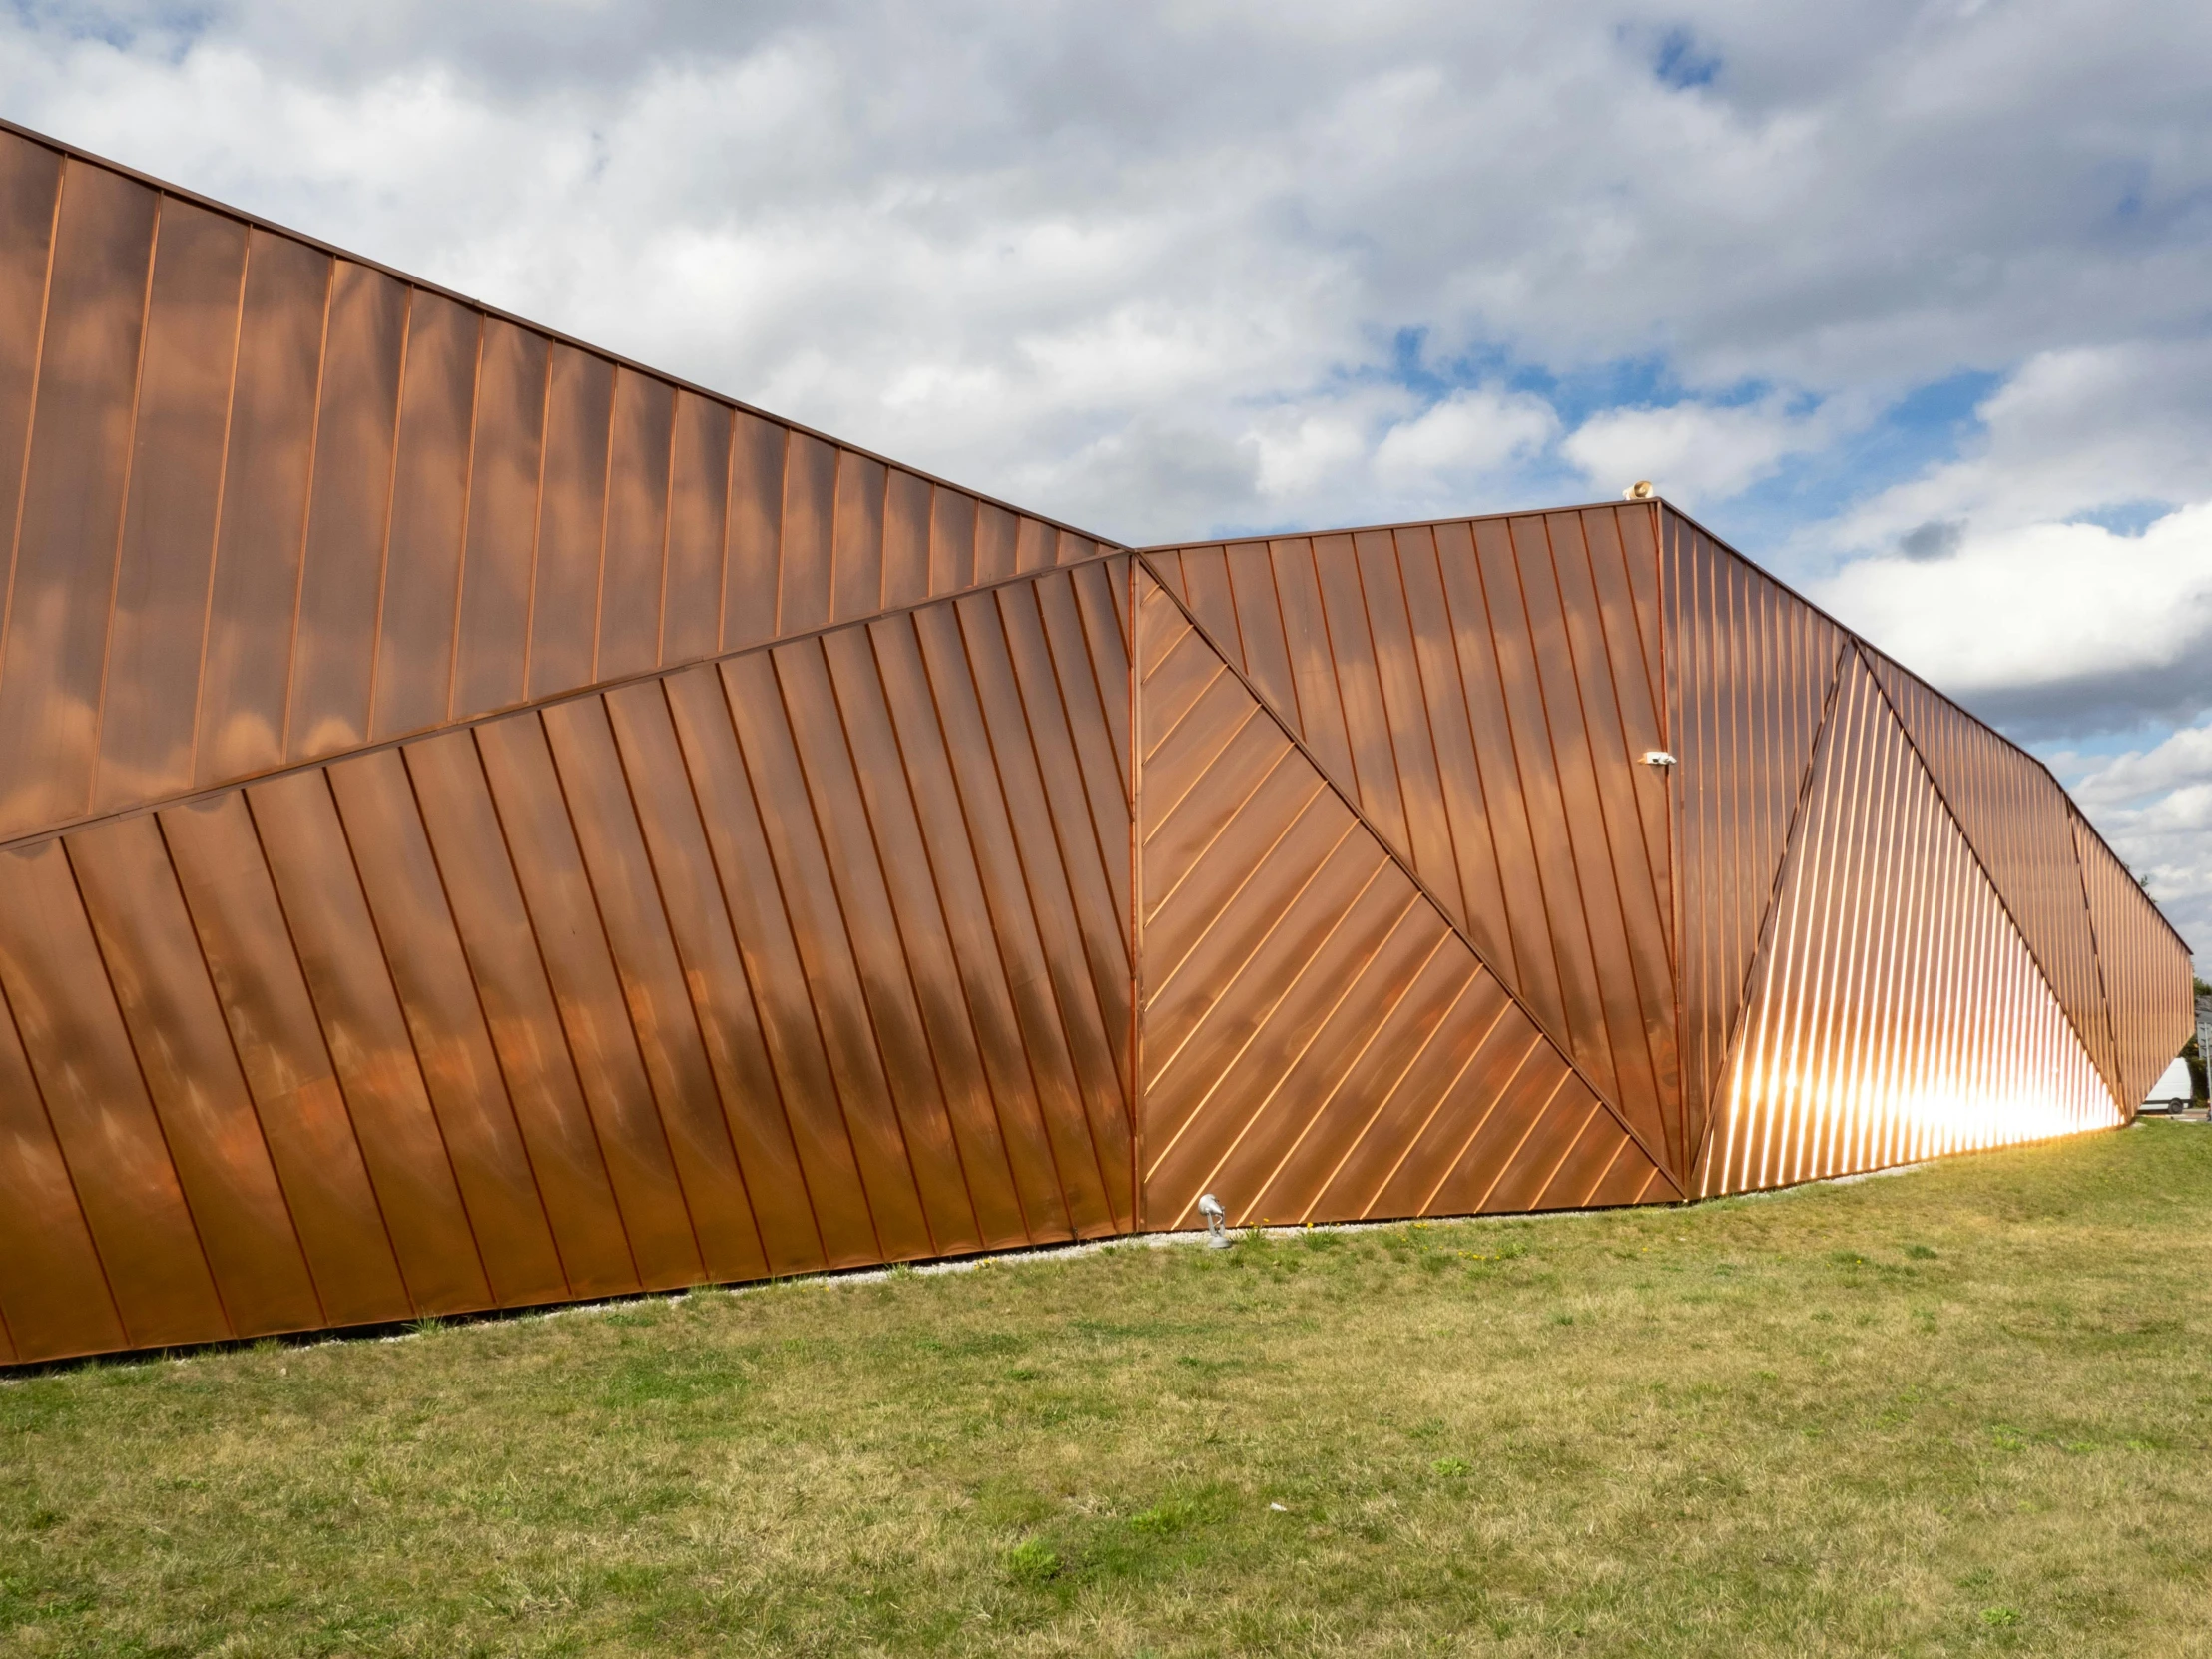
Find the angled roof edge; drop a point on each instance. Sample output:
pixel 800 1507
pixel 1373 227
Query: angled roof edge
pixel 260 222
pixel 1932 690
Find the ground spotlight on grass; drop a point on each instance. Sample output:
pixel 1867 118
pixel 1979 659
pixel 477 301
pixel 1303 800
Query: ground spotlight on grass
pixel 1952 1413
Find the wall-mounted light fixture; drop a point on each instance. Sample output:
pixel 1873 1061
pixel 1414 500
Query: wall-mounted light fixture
pixel 1659 758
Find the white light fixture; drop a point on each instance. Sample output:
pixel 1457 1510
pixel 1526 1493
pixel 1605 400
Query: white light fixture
pixel 1217 1235
pixel 1659 758
pixel 1640 490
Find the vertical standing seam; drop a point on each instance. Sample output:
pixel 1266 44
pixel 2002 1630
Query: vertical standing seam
pixel 659 897
pixel 468 514
pixel 752 997
pixel 930 860
pixel 814 1005
pixel 1059 840
pixel 900 931
pixel 1051 985
pixel 31 397
pixel 307 507
pixel 614 965
pixel 138 1065
pixel 123 510
pixel 214 532
pixel 60 1154
pixel 246 1087
pixel 323 1041
pixel 998 947
pixel 506 1088
pixel 391 492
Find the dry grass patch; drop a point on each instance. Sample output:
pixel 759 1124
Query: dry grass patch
pixel 1954 1413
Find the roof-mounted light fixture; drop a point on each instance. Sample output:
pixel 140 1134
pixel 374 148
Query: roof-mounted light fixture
pixel 1640 490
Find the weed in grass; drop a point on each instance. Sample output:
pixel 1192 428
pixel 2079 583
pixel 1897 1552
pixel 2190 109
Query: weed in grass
pixel 1032 1562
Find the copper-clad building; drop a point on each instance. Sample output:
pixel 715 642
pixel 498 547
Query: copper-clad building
pixel 483 823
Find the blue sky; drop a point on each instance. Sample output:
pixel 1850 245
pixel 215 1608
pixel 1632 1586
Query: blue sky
pixel 1908 300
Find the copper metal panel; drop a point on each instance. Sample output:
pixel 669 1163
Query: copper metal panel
pixel 952 541
pixel 895 1060
pixel 753 554
pixel 1029 1084
pixel 1061 876
pixel 65 1010
pixel 572 522
pixel 1752 670
pixel 1896 1011
pixel 1069 736
pixel 634 572
pixel 479 883
pixel 697 529
pixel 2143 966
pixel 387 963
pixel 651 984
pixel 350 1025
pixel 764 933
pixel 804 551
pixel 54 1291
pixel 2021 824
pixel 605 534
pixel 833 977
pixel 342 568
pixel 857 552
pixel 419 589
pixel 30 191
pixel 997 535
pixel 1483 692
pixel 878 933
pixel 540 843
pixel 247 658
pixel 906 538
pixel 1319 1042
pixel 1089 1140
pixel 492 637
pixel 74 484
pixel 289 1070
pixel 169 522
pixel 923 987
pixel 714 977
pixel 184 1053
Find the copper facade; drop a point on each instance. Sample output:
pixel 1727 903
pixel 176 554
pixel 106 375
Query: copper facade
pixel 483 825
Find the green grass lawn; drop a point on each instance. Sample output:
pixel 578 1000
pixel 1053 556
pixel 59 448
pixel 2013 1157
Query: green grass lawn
pixel 1958 1411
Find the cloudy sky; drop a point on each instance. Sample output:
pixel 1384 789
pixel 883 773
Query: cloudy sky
pixel 1911 302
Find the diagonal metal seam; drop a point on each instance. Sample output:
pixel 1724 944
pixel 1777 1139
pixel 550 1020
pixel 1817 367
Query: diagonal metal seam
pixel 1556 1040
pixel 573 694
pixel 2074 841
pixel 1767 915
pixel 1919 755
pixel 1939 804
pixel 2096 945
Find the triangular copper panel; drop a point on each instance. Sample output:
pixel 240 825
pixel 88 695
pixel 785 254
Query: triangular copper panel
pixel 1896 1011
pixel 1748 673
pixel 1319 1042
pixel 2144 966
pixel 1484 691
pixel 2021 824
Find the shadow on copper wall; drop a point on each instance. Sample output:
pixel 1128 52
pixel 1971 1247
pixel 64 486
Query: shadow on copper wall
pixel 483 825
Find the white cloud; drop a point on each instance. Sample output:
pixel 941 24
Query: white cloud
pixel 1692 452
pixel 1468 435
pixel 2044 603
